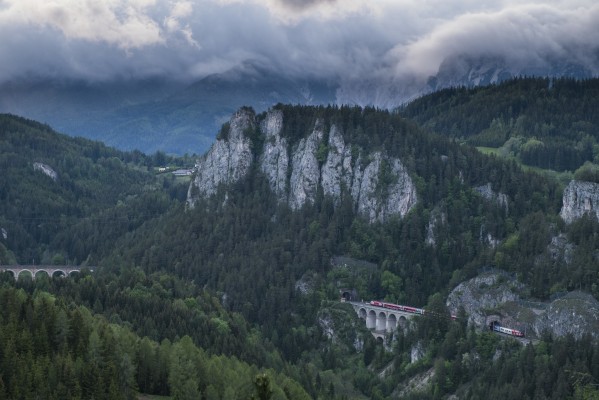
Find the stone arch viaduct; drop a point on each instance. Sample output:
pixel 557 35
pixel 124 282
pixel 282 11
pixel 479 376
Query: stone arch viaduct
pixel 50 270
pixel 379 319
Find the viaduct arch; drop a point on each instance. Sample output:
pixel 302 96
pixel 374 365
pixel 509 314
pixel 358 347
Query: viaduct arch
pixel 34 270
pixel 380 319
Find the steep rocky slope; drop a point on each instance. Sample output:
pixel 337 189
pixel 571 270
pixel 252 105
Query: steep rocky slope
pixel 378 183
pixel 495 296
pixel 580 198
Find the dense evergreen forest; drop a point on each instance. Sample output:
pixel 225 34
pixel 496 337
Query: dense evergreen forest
pixel 546 123
pixel 227 300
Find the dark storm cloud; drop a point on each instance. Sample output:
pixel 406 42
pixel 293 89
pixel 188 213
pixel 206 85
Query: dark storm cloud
pixel 349 41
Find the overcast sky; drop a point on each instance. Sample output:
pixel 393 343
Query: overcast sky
pixel 336 39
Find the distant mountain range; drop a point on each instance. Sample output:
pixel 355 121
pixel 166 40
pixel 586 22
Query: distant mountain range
pixel 175 117
pixel 464 70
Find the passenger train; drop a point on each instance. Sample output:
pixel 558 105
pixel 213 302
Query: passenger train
pixel 421 311
pixel 397 307
pixel 507 331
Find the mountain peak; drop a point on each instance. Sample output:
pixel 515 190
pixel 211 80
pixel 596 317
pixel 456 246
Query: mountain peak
pixel 319 159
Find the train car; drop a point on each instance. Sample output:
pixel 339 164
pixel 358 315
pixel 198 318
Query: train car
pixel 508 331
pixel 408 309
pixel 414 310
pixel 398 307
pixel 393 306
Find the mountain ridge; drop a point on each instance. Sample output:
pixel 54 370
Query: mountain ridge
pixel 177 117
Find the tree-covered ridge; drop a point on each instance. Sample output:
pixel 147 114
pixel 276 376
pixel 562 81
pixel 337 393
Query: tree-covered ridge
pixel 53 351
pixel 95 188
pixel 432 158
pixel 549 123
pixel 162 306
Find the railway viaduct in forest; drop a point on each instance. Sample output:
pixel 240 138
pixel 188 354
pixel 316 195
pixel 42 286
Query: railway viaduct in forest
pixel 50 270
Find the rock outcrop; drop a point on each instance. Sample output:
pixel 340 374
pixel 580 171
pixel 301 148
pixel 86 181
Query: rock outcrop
pixel 580 198
pixel 339 324
pixel 560 248
pixel 305 173
pixel 576 313
pixel 437 220
pixel 487 192
pixel 494 296
pixel 337 171
pixel 379 184
pixel 274 162
pixel 478 295
pixel 229 159
pixel 46 170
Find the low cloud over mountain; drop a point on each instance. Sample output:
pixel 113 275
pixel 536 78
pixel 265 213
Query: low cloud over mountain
pixel 125 57
pixel 346 41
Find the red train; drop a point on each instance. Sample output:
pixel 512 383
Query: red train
pixel 397 307
pixel 400 307
pixel 421 311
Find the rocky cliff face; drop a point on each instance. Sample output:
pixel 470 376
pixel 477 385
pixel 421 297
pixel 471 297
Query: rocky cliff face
pixel 493 296
pixel 340 325
pixel 576 313
pixel 485 292
pixel 580 198
pixel 437 220
pixel 228 159
pixel 379 185
pixel 274 162
pixel 487 192
pixel 46 170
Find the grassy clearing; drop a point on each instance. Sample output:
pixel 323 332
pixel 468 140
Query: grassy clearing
pixel 489 150
pixel 562 177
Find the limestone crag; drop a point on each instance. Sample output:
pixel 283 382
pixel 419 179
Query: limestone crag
pixel 379 185
pixel 580 198
pixel 560 248
pixel 400 195
pixel 417 352
pixel 486 291
pixel 495 296
pixel 305 173
pixel 576 313
pixel 46 170
pixel 487 238
pixel 337 170
pixel 363 182
pixel 437 219
pixel 227 161
pixel 487 192
pixel 274 162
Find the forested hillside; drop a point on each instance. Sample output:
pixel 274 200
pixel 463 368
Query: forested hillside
pixel 547 123
pixel 245 280
pixel 72 212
